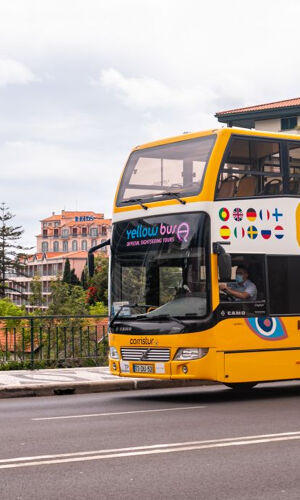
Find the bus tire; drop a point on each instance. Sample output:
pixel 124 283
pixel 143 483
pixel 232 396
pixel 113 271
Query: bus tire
pixel 242 386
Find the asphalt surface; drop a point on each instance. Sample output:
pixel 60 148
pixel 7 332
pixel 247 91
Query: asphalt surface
pixel 208 442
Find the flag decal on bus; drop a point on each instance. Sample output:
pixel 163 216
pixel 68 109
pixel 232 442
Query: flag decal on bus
pixel 267 328
pixel 224 214
pixel 225 232
pixel 251 214
pixel 264 214
pixel 238 214
pixel 266 234
pixel 252 232
pixel 278 231
pixel 239 232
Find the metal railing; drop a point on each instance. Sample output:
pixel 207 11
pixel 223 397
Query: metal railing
pixel 40 341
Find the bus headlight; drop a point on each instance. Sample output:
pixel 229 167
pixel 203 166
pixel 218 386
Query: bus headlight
pixel 113 353
pixel 185 353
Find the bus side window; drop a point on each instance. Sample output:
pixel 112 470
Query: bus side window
pixel 284 290
pixel 294 169
pixel 252 167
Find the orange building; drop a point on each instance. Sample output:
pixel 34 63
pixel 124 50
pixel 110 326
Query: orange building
pixel 68 235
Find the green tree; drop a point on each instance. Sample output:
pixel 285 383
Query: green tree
pixel 10 250
pixel 100 278
pixel 99 309
pixel 74 278
pixel 8 308
pixel 67 272
pixel 84 279
pixel 66 299
pixel 36 298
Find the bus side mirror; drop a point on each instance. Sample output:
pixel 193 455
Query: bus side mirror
pixel 91 259
pixel 224 265
pixel 224 261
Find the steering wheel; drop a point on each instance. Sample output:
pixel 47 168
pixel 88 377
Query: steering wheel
pixel 226 296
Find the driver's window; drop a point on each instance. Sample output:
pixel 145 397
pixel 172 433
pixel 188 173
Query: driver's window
pixel 247 277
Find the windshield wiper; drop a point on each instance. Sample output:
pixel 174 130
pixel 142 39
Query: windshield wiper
pixel 127 305
pixel 139 201
pixel 173 194
pixel 162 316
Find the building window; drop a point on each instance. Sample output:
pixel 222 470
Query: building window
pixel 55 246
pixel 84 245
pixel 94 231
pixel 251 168
pixel 44 246
pixel 74 231
pixel 55 232
pixel 84 231
pixel 94 243
pixel 74 246
pixel 65 246
pixel 104 231
pixel 65 233
pixel 289 123
pixel 45 233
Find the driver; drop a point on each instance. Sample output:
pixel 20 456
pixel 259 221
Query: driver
pixel 243 288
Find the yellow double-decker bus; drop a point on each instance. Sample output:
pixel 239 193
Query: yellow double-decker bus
pixel 205 259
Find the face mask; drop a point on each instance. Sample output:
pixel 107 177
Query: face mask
pixel 239 278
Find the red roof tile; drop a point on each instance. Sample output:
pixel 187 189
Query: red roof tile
pixel 69 215
pixel 288 103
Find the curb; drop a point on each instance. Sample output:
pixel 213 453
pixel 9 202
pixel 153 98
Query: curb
pixel 62 388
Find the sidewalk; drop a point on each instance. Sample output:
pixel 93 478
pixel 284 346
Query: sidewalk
pixel 22 383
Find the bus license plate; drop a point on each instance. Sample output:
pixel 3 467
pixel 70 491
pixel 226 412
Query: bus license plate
pixel 143 368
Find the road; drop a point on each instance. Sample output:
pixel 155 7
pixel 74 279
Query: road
pixel 204 443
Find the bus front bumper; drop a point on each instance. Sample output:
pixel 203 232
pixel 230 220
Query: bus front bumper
pixel 171 370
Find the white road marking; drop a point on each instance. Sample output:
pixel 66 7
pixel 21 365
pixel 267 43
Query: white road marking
pixel 90 415
pixel 84 456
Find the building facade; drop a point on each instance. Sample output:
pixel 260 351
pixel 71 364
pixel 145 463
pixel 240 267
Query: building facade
pixel 72 232
pixel 68 235
pixel 280 116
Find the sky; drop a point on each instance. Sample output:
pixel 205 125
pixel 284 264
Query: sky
pixel 82 82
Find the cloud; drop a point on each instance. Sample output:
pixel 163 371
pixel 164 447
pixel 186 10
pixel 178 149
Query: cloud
pixel 15 73
pixel 148 93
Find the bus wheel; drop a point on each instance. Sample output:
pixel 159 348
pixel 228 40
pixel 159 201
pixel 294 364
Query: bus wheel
pixel 242 386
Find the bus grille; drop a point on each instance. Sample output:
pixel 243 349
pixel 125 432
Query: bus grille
pixel 144 354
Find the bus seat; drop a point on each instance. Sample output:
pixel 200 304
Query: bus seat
pixel 247 186
pixel 273 187
pixel 228 187
pixel 294 186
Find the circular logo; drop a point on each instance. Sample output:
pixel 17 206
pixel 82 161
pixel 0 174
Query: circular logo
pixel 267 328
pixel 183 231
pixel 225 232
pixel 224 214
pixel 251 214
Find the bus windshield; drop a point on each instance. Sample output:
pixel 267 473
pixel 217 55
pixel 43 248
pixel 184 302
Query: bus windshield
pixel 159 267
pixel 159 171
